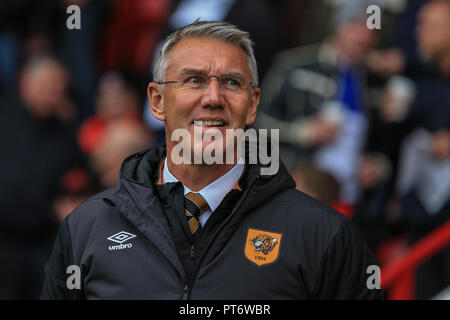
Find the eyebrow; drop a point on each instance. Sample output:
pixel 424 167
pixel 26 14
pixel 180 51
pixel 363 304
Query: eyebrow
pixel 192 71
pixel 234 75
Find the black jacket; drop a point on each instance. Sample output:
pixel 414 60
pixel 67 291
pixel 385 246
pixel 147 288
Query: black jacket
pixel 273 243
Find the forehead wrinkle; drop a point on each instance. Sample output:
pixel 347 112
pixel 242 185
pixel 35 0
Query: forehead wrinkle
pixel 234 75
pixel 195 71
pixel 204 64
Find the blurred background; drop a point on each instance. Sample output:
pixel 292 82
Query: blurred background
pixel 364 117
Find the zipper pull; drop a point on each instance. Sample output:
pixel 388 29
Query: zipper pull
pixel 185 292
pixel 192 252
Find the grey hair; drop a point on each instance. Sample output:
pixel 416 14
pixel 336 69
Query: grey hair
pixel 223 31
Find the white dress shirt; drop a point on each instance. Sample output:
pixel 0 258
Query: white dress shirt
pixel 214 192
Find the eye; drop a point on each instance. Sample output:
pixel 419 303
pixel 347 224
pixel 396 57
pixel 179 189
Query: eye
pixel 231 82
pixel 194 80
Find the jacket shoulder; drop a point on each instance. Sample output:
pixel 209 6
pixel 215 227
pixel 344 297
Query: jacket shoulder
pixel 92 207
pixel 305 207
pixel 314 219
pixel 89 213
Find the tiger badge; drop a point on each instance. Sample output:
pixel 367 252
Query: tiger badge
pixel 262 247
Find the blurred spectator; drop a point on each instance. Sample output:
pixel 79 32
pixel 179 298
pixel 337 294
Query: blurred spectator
pixel 431 110
pixel 116 100
pixel 424 177
pixel 316 95
pixel 121 139
pixel 37 149
pixel 316 183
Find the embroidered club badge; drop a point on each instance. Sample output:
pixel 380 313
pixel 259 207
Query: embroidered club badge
pixel 262 247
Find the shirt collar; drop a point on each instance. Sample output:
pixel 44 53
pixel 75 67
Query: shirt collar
pixel 216 190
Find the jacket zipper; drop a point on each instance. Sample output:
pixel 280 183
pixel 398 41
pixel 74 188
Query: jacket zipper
pixel 186 292
pixel 192 252
pixel 187 286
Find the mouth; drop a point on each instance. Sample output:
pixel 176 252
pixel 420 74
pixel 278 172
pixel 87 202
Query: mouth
pixel 209 123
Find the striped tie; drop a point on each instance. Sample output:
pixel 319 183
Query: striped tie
pixel 194 205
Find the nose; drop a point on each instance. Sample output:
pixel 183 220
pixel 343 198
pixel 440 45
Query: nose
pixel 212 95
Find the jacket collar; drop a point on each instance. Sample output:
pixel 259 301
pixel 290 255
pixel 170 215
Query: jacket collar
pixel 143 169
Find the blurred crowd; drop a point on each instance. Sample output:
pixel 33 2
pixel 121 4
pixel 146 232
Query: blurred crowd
pixel 364 114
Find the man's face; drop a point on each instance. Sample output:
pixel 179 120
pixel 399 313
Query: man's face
pixel 44 88
pixel 433 30
pixel 355 40
pixel 179 107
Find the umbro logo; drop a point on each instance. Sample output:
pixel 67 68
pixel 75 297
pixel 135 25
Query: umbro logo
pixel 120 238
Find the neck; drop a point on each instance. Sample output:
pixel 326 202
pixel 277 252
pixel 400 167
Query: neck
pixel 197 176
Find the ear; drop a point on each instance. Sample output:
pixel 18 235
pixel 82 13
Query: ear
pixel 156 101
pixel 254 102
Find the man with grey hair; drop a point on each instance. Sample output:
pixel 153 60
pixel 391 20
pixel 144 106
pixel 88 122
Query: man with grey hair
pixel 172 230
pixel 221 31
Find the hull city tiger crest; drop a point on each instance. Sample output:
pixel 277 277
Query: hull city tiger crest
pixel 262 247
